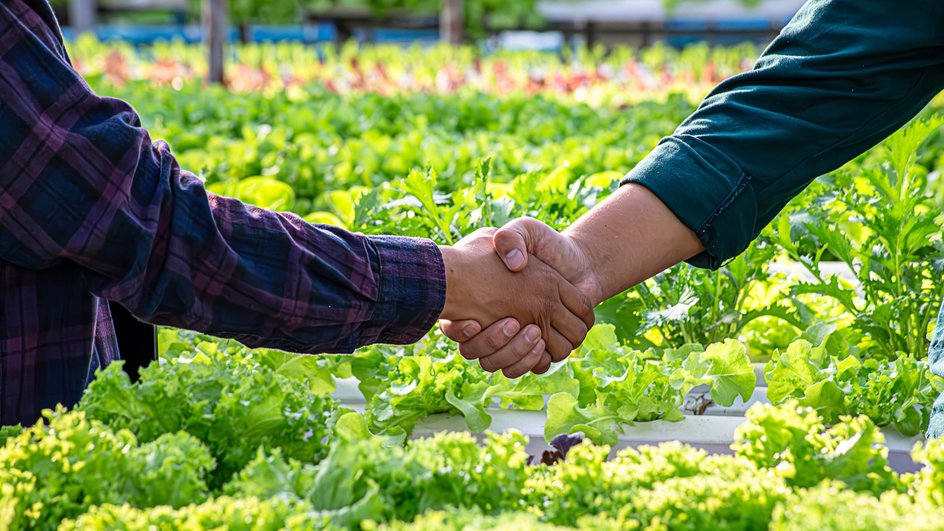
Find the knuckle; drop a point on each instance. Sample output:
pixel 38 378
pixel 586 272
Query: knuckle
pixel 446 330
pixel 492 343
pixel 580 339
pixel 528 221
pixel 579 334
pixel 561 353
pixel 521 349
pixel 523 220
pixel 467 353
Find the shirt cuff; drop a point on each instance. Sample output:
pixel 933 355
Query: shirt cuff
pixel 412 289
pixel 706 190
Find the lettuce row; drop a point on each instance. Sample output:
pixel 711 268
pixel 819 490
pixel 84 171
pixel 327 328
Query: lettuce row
pixel 232 406
pixel 788 472
pixel 601 387
pixel 821 370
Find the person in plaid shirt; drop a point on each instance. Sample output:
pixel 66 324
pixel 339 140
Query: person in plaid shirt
pixel 94 214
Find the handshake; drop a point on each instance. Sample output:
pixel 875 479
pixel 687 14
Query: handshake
pixel 518 298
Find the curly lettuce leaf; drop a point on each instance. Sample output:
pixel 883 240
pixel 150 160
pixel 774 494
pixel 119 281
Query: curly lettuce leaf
pixel 233 406
pixel 67 462
pixel 725 366
pixel 565 416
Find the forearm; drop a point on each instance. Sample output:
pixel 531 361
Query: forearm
pixel 268 279
pixel 630 237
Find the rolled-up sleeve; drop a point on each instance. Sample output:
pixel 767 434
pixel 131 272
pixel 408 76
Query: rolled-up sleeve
pixel 841 76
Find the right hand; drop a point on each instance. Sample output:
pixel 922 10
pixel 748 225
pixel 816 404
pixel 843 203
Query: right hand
pixel 480 288
pixel 514 243
pixel 527 236
pixel 629 237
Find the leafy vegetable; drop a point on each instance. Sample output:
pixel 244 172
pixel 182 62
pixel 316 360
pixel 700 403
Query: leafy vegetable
pixel 830 506
pixel 369 479
pixel 403 385
pixel 233 407
pixel 52 472
pixel 670 482
pixel 8 432
pixel 472 520
pixel 884 224
pixel 243 514
pixel 793 441
pixel 928 484
pixel 899 392
pixel 621 386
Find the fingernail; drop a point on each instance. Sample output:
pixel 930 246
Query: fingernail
pixel 538 348
pixel 533 334
pixel 511 328
pixel 514 258
pixel 471 329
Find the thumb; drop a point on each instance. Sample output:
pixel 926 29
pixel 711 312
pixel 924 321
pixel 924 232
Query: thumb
pixel 517 239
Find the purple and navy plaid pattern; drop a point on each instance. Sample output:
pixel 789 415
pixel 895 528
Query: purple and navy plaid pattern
pixel 93 212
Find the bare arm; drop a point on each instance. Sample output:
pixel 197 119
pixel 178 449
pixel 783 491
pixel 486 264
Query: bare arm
pixel 628 238
pixel 840 77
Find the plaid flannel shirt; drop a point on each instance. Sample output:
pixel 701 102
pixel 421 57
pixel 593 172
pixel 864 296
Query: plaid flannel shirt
pixel 92 213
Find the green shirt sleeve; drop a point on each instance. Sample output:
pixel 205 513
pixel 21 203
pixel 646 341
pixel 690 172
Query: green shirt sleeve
pixel 843 75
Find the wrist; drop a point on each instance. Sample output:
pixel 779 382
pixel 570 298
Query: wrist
pixel 629 237
pixel 593 283
pixel 455 265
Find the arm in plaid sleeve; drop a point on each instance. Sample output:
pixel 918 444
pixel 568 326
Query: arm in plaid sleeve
pixel 81 181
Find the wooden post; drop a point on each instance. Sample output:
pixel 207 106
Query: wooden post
pixel 215 26
pixel 82 15
pixel 451 23
pixel 591 34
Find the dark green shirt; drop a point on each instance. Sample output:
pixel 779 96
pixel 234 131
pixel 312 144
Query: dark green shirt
pixel 843 75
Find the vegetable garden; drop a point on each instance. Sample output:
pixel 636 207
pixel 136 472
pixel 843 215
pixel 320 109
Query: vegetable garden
pixel 787 390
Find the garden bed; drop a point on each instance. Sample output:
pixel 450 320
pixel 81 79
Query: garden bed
pixel 706 425
pixel 710 433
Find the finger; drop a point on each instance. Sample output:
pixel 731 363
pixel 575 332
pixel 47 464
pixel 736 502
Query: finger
pixel 522 236
pixel 544 365
pixel 519 347
pixel 511 244
pixel 573 328
pixel 557 345
pixel 460 331
pixel 490 340
pixel 528 235
pixel 578 303
pixel 531 360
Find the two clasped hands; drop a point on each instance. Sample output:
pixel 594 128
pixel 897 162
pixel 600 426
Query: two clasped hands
pixel 521 297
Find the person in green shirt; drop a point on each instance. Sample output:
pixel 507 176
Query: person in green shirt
pixel 840 77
